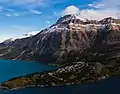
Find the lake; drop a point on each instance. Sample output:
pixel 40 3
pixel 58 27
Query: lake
pixel 14 68
pixel 10 69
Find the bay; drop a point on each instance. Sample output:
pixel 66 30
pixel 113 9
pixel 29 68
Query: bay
pixel 15 68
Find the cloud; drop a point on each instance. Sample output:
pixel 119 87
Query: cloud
pixel 108 4
pixel 14 14
pixel 36 12
pixel 1 8
pixel 71 10
pixel 8 15
pixel 24 3
pixel 107 7
pixel 97 14
pixel 96 5
pixel 27 1
pixel 96 10
pixel 10 10
pixel 48 22
pixel 55 14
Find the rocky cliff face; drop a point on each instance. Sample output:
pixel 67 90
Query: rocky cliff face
pixel 70 38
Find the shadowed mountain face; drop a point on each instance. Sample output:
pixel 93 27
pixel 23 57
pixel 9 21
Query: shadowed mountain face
pixel 70 38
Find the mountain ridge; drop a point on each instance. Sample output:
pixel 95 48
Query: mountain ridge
pixel 84 51
pixel 65 40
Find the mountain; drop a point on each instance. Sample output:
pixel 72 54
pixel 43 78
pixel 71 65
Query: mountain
pixel 29 34
pixel 87 50
pixel 70 38
pixel 10 40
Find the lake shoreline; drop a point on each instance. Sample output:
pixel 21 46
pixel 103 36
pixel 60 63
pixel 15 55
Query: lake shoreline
pixel 64 85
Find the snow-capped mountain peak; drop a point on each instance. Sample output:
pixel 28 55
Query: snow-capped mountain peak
pixel 70 17
pixel 29 34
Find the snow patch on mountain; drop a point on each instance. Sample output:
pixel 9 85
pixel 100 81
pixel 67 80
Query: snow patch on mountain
pixel 29 34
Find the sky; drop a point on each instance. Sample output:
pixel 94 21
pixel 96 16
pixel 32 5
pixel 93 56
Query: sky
pixel 19 17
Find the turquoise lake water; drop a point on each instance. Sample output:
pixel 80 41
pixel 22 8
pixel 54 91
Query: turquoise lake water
pixel 10 69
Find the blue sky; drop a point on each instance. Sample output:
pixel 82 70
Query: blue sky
pixel 18 17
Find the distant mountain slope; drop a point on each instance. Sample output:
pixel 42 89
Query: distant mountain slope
pixel 70 38
pixel 10 40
